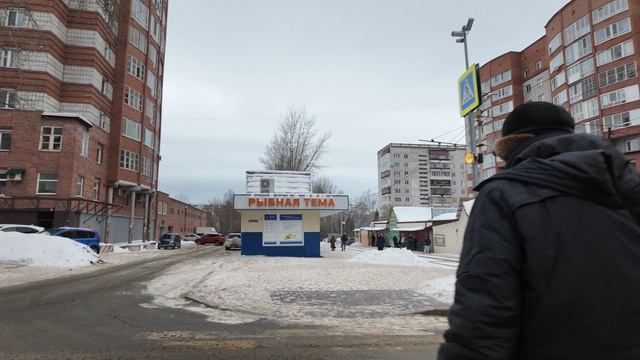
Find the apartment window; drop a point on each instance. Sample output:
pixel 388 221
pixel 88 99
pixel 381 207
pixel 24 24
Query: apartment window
pixel 133 98
pixel 578 50
pixel 47 183
pixel 131 129
pixel 135 67
pixel 5 140
pixel 104 122
pixel 527 88
pixel 406 173
pixel 79 185
pixel 615 52
pixel 153 56
pixel 396 182
pixel 140 13
pixel 84 144
pixel 560 98
pixel 504 92
pixel 608 10
pixel 148 138
pixel 502 108
pixel 590 127
pixel 582 90
pixel 487 128
pixel 577 29
pixel 555 43
pixel 16 18
pixel 609 32
pixel 106 88
pixel 10 58
pixel 618 120
pixel 146 166
pixel 138 39
pixel 95 191
pixel 620 73
pixel 620 96
pixel 99 153
pixel 558 80
pixel 556 62
pixel 585 110
pixel 538 65
pixel 500 78
pixel 580 70
pixel 485 86
pixel 50 138
pixel 397 191
pixel 8 99
pixel 151 82
pixel 155 29
pixel 525 73
pixel 150 110
pixel 439 239
pixel 129 160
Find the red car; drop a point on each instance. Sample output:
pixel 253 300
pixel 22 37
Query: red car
pixel 216 239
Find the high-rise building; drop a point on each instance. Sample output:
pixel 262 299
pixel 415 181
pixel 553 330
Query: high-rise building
pixel 421 175
pixel 80 113
pixel 587 62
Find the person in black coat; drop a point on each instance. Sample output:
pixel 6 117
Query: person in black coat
pixel 380 242
pixel 395 241
pixel 343 242
pixel 332 240
pixel 550 265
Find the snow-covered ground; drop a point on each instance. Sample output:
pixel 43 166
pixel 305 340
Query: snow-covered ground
pixel 366 291
pixel 44 250
pixel 32 257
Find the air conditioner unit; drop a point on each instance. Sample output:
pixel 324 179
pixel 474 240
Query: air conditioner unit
pixel 267 186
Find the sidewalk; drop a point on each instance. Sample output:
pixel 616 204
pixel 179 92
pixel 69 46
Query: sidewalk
pixel 361 289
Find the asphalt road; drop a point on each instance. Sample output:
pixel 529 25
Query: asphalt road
pixel 98 316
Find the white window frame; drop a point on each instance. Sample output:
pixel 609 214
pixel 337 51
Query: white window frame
pixel 131 129
pixel 20 18
pixel 5 139
pixel 133 98
pixel 135 67
pixel 99 154
pixel 84 144
pixel 8 98
pixel 79 185
pixel 148 138
pixel 138 39
pixel 608 10
pixel 10 58
pixel 140 13
pixel 580 70
pixel 615 52
pixel 612 31
pixel 620 96
pixel 48 141
pixel 40 180
pixel 555 43
pixel 95 190
pixel 129 160
pixel 576 51
pixel 576 30
pixel 560 98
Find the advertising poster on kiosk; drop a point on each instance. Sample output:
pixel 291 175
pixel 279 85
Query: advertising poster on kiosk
pixel 282 230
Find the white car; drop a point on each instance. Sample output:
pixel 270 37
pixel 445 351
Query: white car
pixel 25 229
pixel 233 240
pixel 191 237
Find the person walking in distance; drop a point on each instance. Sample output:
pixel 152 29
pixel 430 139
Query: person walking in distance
pixel 343 242
pixel 550 263
pixel 427 244
pixel 332 240
pixel 380 242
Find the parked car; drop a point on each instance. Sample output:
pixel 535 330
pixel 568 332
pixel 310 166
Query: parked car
pixel 233 241
pixel 216 239
pixel 88 237
pixel 170 240
pixel 191 237
pixel 25 229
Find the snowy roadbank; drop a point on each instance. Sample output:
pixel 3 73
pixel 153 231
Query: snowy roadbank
pixel 365 291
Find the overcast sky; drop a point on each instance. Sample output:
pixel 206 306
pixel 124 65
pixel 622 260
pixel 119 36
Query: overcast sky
pixel 373 71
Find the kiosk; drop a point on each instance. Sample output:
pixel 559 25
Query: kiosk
pixel 283 219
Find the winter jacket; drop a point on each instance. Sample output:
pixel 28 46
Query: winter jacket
pixel 550 266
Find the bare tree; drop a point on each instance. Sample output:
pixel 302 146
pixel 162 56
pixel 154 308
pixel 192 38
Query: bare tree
pixel 296 145
pixel 323 185
pixel 224 217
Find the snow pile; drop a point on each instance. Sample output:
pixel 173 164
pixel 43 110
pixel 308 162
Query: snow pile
pixel 43 250
pixel 391 256
pixel 443 289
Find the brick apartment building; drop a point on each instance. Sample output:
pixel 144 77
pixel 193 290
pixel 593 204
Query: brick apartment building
pixel 587 62
pixel 421 175
pixel 177 216
pixel 80 113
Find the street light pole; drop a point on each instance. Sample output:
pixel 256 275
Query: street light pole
pixel 462 38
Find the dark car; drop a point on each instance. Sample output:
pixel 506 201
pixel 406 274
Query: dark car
pixel 88 237
pixel 216 239
pixel 170 241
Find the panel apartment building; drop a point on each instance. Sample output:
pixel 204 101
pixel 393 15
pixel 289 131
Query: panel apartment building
pixel 587 62
pixel 421 175
pixel 80 113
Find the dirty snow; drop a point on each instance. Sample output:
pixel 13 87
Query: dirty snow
pixel 389 287
pixel 44 250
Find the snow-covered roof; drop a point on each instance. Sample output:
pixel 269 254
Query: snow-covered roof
pixel 446 217
pixel 369 228
pixel 468 205
pixel 278 182
pixel 412 213
pixel 409 228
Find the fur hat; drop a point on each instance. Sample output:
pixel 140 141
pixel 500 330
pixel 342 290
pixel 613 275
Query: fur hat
pixel 537 117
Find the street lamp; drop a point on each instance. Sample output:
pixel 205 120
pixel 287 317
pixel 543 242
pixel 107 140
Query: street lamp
pixel 461 37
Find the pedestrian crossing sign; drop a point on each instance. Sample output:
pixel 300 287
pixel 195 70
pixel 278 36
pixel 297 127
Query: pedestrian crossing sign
pixel 469 90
